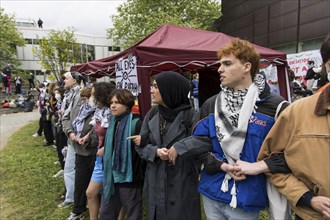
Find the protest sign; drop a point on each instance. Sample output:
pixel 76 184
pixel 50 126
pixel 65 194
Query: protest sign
pixel 126 75
pixel 298 61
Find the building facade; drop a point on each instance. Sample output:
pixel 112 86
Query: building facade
pixel 290 26
pixel 91 47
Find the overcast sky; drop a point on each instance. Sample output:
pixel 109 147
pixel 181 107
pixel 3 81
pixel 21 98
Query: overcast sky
pixel 88 17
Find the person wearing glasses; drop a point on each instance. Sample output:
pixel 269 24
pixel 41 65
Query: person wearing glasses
pixel 73 83
pixel 170 187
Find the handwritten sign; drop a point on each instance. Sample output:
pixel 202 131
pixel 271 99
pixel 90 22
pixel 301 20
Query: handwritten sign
pixel 126 75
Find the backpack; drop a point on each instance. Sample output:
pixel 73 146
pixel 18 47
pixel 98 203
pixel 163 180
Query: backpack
pixel 188 115
pixel 133 125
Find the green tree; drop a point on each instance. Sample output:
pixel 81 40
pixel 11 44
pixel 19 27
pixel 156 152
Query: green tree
pixel 10 37
pixel 57 51
pixel 138 18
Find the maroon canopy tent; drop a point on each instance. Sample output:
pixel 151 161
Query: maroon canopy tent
pixel 180 49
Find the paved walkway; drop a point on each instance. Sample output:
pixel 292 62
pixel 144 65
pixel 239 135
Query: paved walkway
pixel 10 123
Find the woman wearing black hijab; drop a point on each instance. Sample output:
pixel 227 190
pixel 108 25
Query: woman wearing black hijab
pixel 170 190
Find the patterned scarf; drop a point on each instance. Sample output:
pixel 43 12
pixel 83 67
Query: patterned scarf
pixel 118 155
pixel 68 100
pixel 231 126
pixel 78 123
pixel 101 115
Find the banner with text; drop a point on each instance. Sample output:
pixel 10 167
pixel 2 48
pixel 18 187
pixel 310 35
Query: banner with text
pixel 126 75
pixel 298 61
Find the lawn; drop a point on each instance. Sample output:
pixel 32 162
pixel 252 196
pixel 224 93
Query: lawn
pixel 27 189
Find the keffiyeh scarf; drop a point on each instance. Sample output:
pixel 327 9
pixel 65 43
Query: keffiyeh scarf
pixel 101 115
pixel 78 123
pixel 231 126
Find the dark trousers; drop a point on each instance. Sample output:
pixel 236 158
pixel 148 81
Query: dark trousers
pixel 84 170
pixel 61 142
pixel 41 126
pixel 48 132
pixel 31 84
pixel 18 89
pixel 128 198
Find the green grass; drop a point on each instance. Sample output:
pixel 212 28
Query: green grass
pixel 27 189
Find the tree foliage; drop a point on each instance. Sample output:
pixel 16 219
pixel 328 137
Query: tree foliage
pixel 10 37
pixel 57 51
pixel 138 18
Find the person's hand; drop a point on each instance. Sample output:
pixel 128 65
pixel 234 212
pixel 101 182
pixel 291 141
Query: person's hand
pixel 83 139
pixel 247 168
pixel 232 170
pixel 100 152
pixel 162 153
pixel 72 136
pixel 136 139
pixel 77 139
pixel 322 205
pixel 172 155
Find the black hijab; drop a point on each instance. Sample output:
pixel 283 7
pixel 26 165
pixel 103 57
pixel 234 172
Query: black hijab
pixel 174 89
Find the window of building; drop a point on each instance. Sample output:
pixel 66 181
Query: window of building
pixel 113 48
pixel 36 41
pixel 28 41
pixel 90 52
pixel 116 49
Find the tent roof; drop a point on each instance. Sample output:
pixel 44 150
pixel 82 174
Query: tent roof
pixel 175 48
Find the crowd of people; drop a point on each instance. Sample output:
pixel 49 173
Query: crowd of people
pixel 7 81
pixel 242 143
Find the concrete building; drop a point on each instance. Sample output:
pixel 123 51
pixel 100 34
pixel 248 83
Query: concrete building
pixel 290 26
pixel 92 47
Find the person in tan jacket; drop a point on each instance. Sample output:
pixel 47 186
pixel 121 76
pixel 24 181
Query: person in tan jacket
pixel 302 135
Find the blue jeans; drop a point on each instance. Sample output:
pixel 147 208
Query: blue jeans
pixel 196 104
pixel 69 173
pixel 215 210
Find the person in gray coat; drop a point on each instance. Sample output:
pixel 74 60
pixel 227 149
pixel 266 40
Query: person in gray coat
pixel 70 107
pixel 170 189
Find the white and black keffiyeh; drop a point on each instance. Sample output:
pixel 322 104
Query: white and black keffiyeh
pixel 101 115
pixel 68 100
pixel 231 126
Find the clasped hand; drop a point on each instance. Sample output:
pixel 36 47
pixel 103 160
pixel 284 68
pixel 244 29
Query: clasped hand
pixel 167 154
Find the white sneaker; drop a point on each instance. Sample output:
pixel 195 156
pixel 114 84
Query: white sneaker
pixel 59 174
pixel 35 135
pixel 63 205
pixel 74 216
pixel 56 162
